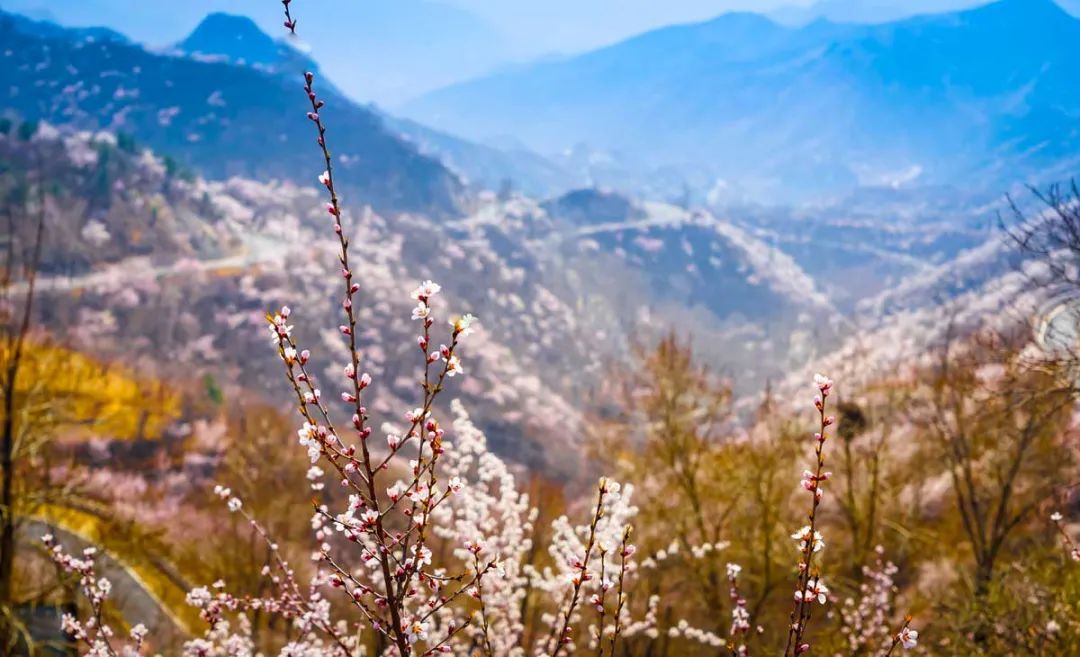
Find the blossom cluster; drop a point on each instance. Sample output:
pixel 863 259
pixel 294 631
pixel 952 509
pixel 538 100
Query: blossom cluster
pixel 865 620
pixel 98 636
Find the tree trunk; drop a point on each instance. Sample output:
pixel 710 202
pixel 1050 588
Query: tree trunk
pixel 7 512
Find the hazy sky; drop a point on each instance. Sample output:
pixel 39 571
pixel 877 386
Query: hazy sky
pixel 569 25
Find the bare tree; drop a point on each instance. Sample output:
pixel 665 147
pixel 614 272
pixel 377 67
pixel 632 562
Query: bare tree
pixel 17 280
pixel 996 425
pixel 1052 233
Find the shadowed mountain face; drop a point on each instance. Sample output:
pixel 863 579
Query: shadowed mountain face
pixel 790 112
pixel 239 40
pixel 221 118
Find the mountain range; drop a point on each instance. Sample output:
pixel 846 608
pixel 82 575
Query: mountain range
pixel 881 11
pixel 209 113
pixel 976 98
pixel 376 50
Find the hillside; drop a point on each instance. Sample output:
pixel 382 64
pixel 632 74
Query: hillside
pixel 220 118
pixel 169 268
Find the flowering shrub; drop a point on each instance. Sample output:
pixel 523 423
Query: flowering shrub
pixel 865 620
pixel 431 550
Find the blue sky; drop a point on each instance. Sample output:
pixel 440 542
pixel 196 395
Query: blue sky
pixel 538 26
pixel 387 51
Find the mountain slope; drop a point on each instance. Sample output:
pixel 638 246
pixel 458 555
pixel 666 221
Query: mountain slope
pixel 239 40
pixel 223 119
pixel 236 39
pixel 867 11
pixel 175 274
pixel 488 167
pixel 935 99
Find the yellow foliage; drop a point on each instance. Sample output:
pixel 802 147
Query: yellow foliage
pixel 91 397
pixel 163 588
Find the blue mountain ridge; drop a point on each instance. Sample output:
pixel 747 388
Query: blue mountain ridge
pixel 974 97
pixel 213 115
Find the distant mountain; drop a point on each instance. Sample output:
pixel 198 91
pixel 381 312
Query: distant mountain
pixel 881 11
pixel 973 98
pixel 41 23
pixel 216 116
pixel 867 11
pixel 489 167
pixel 239 40
pixel 379 50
